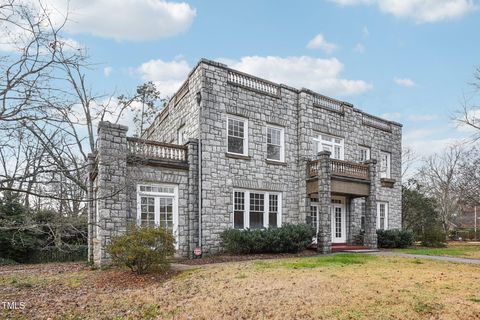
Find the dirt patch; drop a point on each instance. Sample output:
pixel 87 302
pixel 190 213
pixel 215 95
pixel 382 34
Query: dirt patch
pixel 221 258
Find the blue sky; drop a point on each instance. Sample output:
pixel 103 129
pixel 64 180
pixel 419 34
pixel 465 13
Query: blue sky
pixel 407 60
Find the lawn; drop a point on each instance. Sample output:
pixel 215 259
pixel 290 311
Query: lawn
pixel 454 249
pixel 344 286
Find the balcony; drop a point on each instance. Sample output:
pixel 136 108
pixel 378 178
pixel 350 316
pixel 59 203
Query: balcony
pixel 347 177
pixel 156 153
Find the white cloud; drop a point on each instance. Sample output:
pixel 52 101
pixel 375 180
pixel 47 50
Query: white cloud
pixel 404 82
pixel 137 20
pixel 107 71
pixel 321 75
pixel 421 11
pixel 359 48
pixel 319 42
pixel 168 76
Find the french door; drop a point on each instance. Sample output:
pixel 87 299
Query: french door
pixel 158 206
pixel 339 230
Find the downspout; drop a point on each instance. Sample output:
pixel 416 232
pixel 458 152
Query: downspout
pixel 199 103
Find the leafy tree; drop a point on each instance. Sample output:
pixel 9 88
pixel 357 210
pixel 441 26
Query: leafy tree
pixel 17 238
pixel 420 214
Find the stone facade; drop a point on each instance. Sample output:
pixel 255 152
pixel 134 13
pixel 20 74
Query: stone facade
pixel 198 114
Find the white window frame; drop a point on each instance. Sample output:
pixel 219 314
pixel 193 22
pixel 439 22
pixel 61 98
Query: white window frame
pixel 385 226
pixel 319 144
pixel 367 153
pixel 158 195
pixel 245 134
pixel 181 135
pixel 266 207
pixel 385 172
pixel 282 142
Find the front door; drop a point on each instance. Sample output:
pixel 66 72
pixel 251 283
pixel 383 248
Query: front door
pixel 339 230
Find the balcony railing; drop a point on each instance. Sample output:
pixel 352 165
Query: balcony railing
pixel 340 168
pixel 250 82
pixel 327 103
pixel 375 122
pixel 154 150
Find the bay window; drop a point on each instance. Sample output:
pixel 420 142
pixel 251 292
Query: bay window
pixel 256 209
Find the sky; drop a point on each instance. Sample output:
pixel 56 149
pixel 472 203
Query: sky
pixel 410 61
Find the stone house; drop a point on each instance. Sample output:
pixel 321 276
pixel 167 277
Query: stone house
pixel 258 154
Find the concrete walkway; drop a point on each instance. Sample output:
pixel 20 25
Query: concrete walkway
pixel 424 256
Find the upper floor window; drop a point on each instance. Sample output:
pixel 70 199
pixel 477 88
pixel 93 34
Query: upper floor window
pixel 382 215
pixel 329 143
pixel 275 143
pixel 364 153
pixel 181 135
pixel 385 164
pixel 237 135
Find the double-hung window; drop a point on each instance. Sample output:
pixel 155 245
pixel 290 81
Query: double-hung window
pixel 275 143
pixel 256 209
pixel 364 153
pixel 382 215
pixel 384 164
pixel 237 135
pixel 329 143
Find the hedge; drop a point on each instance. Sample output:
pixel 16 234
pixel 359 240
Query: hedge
pixel 286 239
pixel 395 238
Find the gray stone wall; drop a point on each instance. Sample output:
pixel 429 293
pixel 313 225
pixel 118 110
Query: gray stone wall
pixel 202 112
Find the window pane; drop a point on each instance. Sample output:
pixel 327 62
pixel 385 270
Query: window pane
pixel 272 219
pixel 235 128
pixel 238 220
pixel 239 201
pixel 273 152
pixel 235 145
pixel 256 220
pixel 273 136
pixel 257 202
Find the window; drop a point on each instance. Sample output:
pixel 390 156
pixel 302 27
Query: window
pixel 256 209
pixel 313 219
pixel 157 205
pixel 364 154
pixel 275 144
pixel 382 215
pixel 181 139
pixel 329 143
pixel 237 133
pixel 362 216
pixel 384 164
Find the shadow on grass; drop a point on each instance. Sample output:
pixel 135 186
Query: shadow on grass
pixel 316 262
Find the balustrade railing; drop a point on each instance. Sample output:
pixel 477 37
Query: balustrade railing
pixel 254 83
pixel 340 168
pixel 327 103
pixel 376 123
pixel 156 150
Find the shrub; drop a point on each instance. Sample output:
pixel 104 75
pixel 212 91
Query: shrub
pixel 6 262
pixel 395 238
pixel 434 237
pixel 143 249
pixel 288 238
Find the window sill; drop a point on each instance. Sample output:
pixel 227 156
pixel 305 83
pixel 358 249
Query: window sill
pixel 237 156
pixel 387 182
pixel 275 162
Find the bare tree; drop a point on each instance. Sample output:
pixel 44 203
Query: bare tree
pixel 469 115
pixel 439 175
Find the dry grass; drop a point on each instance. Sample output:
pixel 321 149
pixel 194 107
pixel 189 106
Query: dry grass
pixel 338 287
